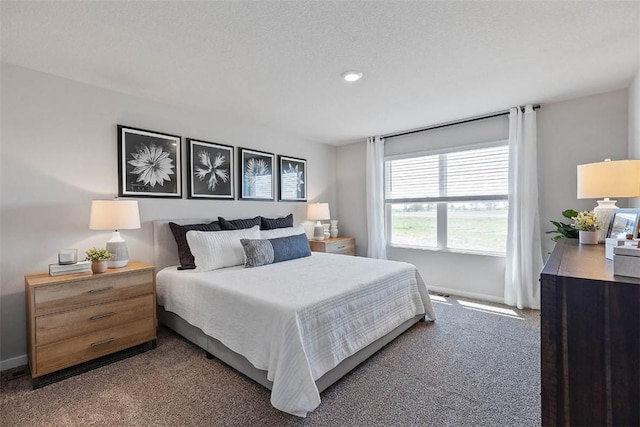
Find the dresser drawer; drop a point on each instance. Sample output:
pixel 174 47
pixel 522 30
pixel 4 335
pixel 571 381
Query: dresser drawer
pixel 70 352
pixel 95 290
pixel 68 324
pixel 341 247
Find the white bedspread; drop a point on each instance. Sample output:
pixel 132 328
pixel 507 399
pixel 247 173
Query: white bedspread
pixel 297 319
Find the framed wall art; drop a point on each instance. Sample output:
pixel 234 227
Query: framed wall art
pixel 623 222
pixel 210 170
pixel 292 182
pixel 149 163
pixel 255 174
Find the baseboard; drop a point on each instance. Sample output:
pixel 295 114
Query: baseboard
pixel 464 294
pixel 14 362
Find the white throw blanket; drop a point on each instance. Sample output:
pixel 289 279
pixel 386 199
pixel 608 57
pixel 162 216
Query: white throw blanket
pixel 297 319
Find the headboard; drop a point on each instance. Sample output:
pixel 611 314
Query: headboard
pixel 165 249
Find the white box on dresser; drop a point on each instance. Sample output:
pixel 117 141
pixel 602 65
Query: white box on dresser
pixel 626 261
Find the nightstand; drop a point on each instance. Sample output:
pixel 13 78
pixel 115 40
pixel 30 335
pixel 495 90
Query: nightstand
pixel 76 318
pixel 335 245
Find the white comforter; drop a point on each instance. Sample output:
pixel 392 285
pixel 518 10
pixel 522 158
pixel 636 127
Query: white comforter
pixel 297 319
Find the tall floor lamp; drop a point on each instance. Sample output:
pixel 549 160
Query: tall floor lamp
pixel 115 215
pixel 619 179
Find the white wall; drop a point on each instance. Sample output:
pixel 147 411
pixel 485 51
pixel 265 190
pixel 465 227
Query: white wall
pixel 573 132
pixel 59 149
pixel 634 123
pixel 582 130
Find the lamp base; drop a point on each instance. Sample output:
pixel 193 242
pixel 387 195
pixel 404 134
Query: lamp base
pixel 603 212
pixel 119 252
pixel 318 231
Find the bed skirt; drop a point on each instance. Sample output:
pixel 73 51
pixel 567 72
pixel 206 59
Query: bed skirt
pixel 241 364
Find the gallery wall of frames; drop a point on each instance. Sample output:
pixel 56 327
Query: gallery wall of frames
pixel 150 165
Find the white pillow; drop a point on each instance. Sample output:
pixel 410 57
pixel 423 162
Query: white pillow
pixel 282 232
pixel 219 249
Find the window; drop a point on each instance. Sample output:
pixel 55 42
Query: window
pixel 449 200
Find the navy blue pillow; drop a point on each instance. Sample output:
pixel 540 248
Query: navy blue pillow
pixel 238 224
pixel 187 262
pixel 267 251
pixel 272 223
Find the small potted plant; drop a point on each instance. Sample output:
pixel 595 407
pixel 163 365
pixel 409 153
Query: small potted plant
pixel 586 222
pixel 98 258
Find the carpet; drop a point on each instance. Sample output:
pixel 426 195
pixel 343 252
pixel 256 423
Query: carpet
pixel 477 365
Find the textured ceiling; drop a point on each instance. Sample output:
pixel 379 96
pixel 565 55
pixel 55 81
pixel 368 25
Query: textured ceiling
pixel 279 63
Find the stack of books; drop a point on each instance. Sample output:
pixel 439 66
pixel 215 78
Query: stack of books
pixel 78 267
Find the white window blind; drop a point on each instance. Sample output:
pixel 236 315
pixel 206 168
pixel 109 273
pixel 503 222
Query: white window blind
pixel 449 199
pixel 478 174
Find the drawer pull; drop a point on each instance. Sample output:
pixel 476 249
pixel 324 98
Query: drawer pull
pixel 341 247
pixel 95 344
pixel 102 316
pixel 96 291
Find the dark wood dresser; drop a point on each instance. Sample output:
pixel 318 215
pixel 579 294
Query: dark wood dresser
pixel 589 338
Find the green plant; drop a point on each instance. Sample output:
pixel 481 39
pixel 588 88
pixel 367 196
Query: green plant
pixel 95 254
pixel 564 231
pixel 586 221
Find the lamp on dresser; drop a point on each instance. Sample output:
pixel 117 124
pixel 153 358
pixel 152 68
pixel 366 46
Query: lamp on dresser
pixel 318 212
pixel 620 178
pixel 115 215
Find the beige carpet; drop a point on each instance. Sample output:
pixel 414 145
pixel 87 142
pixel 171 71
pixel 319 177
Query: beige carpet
pixel 477 365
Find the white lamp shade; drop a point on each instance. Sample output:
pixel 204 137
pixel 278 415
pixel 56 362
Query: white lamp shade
pixel 318 211
pixel 620 178
pixel 114 215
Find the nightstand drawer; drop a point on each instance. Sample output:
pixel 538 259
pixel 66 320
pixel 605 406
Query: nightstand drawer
pixel 70 352
pixel 346 246
pixel 68 324
pixel 65 296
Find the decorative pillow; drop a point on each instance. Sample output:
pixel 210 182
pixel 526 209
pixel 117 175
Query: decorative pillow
pixel 212 251
pixel 282 232
pixel 271 223
pixel 180 234
pixel 267 251
pixel 238 224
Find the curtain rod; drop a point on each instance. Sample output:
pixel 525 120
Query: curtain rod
pixel 457 122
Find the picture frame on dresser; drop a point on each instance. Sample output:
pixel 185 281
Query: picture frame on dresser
pixel 255 174
pixel 210 170
pixel 292 179
pixel 149 163
pixel 624 221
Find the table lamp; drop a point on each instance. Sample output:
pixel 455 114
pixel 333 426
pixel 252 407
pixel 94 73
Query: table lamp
pixel 318 212
pixel 620 178
pixel 115 215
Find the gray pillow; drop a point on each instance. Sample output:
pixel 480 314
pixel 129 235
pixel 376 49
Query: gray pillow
pixel 267 251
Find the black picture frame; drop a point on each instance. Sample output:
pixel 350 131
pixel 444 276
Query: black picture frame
pixel 255 174
pixel 292 179
pixel 210 170
pixel 149 163
pixel 624 221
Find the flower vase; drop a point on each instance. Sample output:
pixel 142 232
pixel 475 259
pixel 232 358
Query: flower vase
pixel 588 237
pixel 327 233
pixel 334 228
pixel 99 266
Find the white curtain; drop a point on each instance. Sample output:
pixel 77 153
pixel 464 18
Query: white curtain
pixel 524 253
pixel 375 198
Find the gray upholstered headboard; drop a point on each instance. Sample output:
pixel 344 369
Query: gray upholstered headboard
pixel 165 249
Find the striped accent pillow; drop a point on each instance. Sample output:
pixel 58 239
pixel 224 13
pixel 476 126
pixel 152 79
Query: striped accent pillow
pixel 259 252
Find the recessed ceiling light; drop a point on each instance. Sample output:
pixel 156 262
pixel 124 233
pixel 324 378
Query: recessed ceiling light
pixel 352 76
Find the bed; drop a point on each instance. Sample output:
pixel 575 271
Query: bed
pixel 294 327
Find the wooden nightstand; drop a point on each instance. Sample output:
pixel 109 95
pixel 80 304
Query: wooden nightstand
pixel 75 318
pixel 336 245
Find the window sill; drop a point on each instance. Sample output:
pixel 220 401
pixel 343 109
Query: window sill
pixel 449 250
